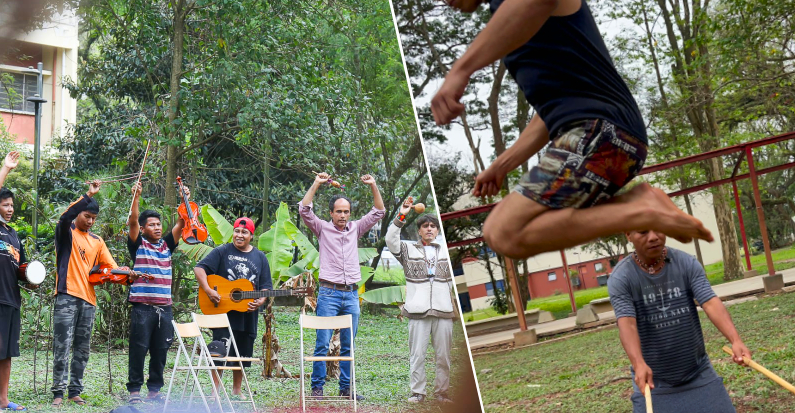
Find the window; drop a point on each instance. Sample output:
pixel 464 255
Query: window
pixel 599 267
pixel 552 276
pixel 14 92
pixel 490 287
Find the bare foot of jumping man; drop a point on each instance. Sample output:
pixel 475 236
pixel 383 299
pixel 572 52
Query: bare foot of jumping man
pixel 669 219
pixel 674 222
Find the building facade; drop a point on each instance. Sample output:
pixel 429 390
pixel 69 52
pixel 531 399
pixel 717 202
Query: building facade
pixel 55 45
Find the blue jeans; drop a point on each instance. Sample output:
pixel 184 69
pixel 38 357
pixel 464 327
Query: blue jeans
pixel 331 302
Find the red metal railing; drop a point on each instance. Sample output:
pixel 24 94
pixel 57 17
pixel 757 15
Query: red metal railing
pixel 744 151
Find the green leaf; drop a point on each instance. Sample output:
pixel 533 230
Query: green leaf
pixel 219 228
pixel 195 252
pixel 366 254
pixel 296 268
pixel 387 295
pixel 367 273
pixel 276 238
pixel 308 251
pixel 277 245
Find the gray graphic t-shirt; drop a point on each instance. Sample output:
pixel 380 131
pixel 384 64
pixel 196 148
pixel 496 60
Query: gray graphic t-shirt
pixel 668 325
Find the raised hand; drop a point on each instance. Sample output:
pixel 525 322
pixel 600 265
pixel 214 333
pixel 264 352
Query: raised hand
pixel 136 189
pixel 12 160
pixel 368 179
pixel 322 178
pixel 93 187
pixel 406 207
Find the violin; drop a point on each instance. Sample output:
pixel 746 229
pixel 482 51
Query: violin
pixel 115 276
pixel 194 231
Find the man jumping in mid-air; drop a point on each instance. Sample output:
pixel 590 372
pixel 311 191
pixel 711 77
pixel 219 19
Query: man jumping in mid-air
pixel 555 52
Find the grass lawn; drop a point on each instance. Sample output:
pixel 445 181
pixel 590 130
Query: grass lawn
pixel 560 307
pixel 382 374
pixel 782 259
pixel 590 372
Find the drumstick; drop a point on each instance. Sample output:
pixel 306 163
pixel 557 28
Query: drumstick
pixel 772 376
pixel 648 399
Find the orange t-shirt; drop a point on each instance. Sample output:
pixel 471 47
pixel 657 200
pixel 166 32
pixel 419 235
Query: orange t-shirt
pixel 77 252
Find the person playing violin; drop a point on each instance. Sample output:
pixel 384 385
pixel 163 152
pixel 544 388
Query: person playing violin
pixel 150 318
pixel 77 252
pixel 12 255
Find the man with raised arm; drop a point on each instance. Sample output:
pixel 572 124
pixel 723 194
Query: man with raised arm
pixel 150 318
pixel 339 272
pixel 12 255
pixel 429 303
pixel 77 252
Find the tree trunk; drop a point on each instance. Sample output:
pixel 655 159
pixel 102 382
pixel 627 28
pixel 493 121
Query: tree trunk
pixel 695 241
pixel 693 80
pixel 180 11
pixel 266 182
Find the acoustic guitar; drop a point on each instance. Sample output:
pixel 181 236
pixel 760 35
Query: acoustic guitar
pixel 235 295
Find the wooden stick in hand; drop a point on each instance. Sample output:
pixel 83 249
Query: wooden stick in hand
pixel 647 393
pixel 772 376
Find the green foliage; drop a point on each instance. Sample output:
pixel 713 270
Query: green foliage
pixel 388 295
pixel 277 245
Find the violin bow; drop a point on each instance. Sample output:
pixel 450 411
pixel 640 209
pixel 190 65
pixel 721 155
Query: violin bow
pixel 140 173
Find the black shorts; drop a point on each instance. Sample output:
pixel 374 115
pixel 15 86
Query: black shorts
pixel 244 341
pixel 9 332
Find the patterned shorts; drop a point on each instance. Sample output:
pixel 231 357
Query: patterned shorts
pixel 586 164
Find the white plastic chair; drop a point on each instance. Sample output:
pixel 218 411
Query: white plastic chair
pixel 327 323
pixel 194 362
pixel 222 321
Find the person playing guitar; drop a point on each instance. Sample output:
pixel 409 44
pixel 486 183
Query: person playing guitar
pixel 237 260
pixel 150 319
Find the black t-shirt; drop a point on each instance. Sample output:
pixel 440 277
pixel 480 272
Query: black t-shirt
pixel 567 74
pixel 132 246
pixel 233 264
pixel 11 255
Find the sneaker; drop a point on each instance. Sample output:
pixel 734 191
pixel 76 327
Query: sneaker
pixel 417 398
pixel 317 392
pixel 442 398
pixel 347 393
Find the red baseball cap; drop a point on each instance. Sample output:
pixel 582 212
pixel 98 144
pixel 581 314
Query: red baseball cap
pixel 246 223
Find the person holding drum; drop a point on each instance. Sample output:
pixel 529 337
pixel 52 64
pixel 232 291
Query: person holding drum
pixel 77 252
pixel 12 255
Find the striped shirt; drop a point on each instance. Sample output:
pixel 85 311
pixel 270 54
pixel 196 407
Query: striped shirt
pixel 668 324
pixel 155 259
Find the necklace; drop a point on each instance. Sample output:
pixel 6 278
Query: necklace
pixel 430 263
pixel 650 268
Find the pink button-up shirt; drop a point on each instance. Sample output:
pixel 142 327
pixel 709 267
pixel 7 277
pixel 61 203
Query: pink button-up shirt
pixel 339 250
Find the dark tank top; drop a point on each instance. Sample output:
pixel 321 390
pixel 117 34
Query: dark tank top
pixel 566 73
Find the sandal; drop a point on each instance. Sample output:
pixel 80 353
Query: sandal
pixel 15 407
pixel 57 402
pixel 135 400
pixel 78 401
pixel 157 398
